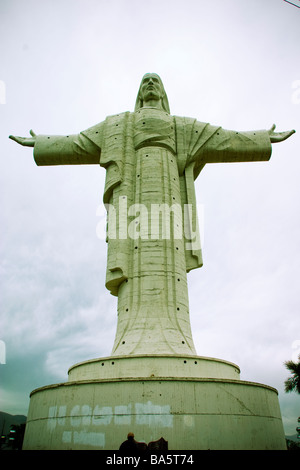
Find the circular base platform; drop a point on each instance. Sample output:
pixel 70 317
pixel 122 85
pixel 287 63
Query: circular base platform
pixel 191 411
pixel 151 365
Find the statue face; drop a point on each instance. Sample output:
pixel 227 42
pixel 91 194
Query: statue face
pixel 151 88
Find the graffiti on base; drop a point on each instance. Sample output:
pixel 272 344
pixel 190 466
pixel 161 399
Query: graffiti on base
pixel 146 414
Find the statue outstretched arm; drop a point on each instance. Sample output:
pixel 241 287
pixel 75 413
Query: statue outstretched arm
pixel 230 146
pixel 75 149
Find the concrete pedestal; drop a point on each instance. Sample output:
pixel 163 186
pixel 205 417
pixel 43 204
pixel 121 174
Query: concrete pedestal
pixel 192 402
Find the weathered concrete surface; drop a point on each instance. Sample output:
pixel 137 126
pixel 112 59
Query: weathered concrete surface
pixel 189 412
pixel 122 367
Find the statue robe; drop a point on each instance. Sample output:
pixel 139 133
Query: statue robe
pixel 151 158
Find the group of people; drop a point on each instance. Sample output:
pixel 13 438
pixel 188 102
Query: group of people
pixel 131 446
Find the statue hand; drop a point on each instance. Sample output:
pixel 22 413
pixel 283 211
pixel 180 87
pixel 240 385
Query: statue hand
pixel 279 136
pixel 26 141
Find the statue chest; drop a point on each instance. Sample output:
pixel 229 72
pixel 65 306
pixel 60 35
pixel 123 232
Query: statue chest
pixel 154 127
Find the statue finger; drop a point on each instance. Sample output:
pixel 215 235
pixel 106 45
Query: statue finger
pixel 288 134
pixel 15 138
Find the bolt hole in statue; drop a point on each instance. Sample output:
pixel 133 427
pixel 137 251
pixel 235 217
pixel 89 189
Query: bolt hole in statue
pixel 152 160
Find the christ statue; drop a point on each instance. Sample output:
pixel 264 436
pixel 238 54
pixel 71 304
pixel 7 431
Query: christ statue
pixel 152 160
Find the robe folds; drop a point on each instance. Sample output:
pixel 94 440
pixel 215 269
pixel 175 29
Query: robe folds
pixel 111 144
pixel 152 159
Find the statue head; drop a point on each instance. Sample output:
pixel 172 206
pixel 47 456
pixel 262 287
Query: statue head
pixel 151 88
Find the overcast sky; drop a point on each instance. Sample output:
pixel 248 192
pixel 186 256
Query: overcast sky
pixel 65 66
